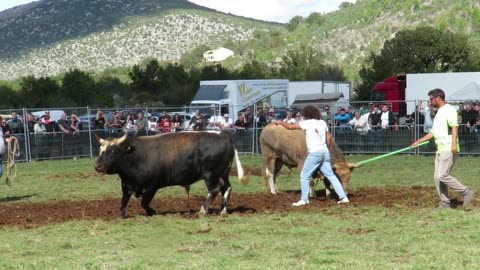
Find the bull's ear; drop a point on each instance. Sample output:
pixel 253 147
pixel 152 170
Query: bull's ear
pixel 99 140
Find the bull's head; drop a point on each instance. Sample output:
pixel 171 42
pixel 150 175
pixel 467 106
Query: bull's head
pixel 343 170
pixel 111 150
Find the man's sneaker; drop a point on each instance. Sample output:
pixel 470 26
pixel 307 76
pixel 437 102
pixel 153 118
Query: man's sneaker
pixel 444 205
pixel 467 197
pixel 344 200
pixel 300 203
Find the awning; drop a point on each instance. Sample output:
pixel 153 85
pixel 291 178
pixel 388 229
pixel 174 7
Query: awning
pixel 211 92
pixel 320 100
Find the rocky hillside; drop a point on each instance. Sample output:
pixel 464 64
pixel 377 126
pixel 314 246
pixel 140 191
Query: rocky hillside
pixel 51 36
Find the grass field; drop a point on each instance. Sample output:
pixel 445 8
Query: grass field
pixel 336 237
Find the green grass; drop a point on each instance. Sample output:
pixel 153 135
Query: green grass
pixel 333 238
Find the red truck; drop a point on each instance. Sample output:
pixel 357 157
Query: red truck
pixel 392 92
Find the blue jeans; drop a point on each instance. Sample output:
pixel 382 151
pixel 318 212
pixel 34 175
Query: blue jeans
pixel 1 165
pixel 313 161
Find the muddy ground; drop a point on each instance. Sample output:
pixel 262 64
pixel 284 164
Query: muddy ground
pixel 29 215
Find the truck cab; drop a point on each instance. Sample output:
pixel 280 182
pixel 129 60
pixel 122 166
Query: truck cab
pixel 392 91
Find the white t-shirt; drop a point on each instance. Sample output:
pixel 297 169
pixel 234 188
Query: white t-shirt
pixel 2 143
pixel 384 119
pixel 428 122
pixel 215 119
pixel 152 125
pixel 315 134
pixel 290 121
pixel 225 123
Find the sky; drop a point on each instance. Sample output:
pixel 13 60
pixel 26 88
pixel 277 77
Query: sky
pixel 272 10
pixel 4 4
pixel 267 10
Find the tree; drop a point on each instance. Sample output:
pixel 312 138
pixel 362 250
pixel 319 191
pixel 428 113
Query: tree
pixel 9 98
pixel 44 89
pixel 306 64
pixel 426 49
pixel 421 50
pixel 344 5
pixel 110 91
pixel 253 70
pixel 78 87
pixel 294 23
pixel 194 57
pixel 315 19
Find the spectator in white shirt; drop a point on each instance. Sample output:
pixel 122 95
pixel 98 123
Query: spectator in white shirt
pixel 289 119
pixel 226 122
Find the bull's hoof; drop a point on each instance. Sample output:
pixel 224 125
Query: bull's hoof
pixel 224 212
pixel 202 211
pixel 150 212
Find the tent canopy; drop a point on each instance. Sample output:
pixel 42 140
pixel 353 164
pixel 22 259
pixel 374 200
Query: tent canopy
pixel 471 91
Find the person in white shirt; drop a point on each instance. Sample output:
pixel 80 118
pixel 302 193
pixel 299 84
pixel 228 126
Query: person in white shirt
pixel 215 121
pixel 317 138
pixel 359 123
pixel 226 122
pixel 289 119
pixel 428 115
pixel 152 125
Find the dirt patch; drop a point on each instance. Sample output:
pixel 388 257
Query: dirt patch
pixel 29 215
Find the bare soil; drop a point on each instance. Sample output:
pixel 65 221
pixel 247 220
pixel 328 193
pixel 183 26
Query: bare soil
pixel 29 215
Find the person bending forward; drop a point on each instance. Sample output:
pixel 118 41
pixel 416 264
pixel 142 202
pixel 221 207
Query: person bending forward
pixel 317 137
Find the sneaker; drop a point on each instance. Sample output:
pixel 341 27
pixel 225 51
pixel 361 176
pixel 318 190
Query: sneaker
pixel 344 200
pixel 300 203
pixel 444 205
pixel 467 197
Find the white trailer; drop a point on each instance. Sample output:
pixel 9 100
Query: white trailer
pixel 458 86
pixel 231 96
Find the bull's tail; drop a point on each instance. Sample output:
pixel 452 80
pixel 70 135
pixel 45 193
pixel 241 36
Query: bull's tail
pixel 242 178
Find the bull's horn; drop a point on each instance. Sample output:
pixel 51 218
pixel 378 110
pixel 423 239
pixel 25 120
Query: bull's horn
pixel 123 138
pixel 353 165
pixel 99 139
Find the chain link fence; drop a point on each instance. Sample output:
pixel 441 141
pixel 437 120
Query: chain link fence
pixel 56 144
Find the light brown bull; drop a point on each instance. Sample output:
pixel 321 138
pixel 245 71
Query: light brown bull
pixel 281 146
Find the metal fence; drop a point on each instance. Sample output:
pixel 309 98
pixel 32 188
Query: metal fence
pixel 59 145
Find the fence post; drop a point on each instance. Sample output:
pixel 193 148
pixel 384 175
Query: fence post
pixel 28 154
pixel 90 131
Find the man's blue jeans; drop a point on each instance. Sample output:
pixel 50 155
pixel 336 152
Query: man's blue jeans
pixel 313 161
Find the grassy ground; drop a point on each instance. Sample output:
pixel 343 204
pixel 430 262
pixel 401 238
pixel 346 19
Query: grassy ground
pixel 334 238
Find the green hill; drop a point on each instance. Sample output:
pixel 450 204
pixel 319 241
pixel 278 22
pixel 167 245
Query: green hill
pixel 51 36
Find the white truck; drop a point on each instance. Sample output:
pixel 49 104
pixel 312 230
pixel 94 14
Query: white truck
pixel 232 96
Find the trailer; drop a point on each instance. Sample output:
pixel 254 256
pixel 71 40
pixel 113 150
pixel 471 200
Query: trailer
pixel 232 96
pixel 458 86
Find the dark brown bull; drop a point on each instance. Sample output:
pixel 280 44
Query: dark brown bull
pixel 281 146
pixel 146 164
